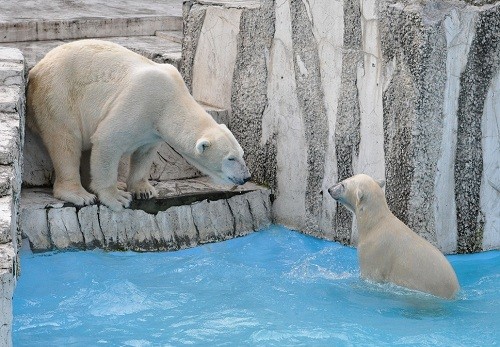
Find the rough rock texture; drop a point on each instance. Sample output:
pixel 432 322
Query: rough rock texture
pixel 12 86
pixel 8 263
pixel 402 90
pixel 187 213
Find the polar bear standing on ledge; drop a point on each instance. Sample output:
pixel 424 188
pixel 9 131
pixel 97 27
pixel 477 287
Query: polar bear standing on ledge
pixel 388 250
pixel 97 95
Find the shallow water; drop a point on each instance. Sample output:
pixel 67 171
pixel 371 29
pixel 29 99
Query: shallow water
pixel 272 288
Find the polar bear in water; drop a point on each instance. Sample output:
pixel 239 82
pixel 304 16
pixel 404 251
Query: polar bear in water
pixel 388 250
pixel 97 95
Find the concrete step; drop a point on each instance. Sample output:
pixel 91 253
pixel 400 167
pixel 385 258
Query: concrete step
pixel 172 35
pixel 186 213
pixel 156 48
pixel 63 20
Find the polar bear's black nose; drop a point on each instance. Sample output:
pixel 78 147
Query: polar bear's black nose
pixel 335 191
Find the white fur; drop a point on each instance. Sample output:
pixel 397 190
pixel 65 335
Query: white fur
pixel 97 95
pixel 388 250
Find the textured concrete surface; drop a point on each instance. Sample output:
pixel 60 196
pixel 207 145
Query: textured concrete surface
pixel 156 48
pixel 12 99
pixel 59 20
pixel 186 213
pixel 401 90
pixel 8 264
pixel 61 9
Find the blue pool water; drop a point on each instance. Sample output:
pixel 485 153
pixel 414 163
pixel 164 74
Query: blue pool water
pixel 272 288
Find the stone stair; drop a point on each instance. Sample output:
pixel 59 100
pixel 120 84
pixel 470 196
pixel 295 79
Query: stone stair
pixel 160 49
pixel 186 213
pixel 63 20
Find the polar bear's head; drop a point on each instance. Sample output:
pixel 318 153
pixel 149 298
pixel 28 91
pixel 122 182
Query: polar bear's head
pixel 358 191
pixel 219 155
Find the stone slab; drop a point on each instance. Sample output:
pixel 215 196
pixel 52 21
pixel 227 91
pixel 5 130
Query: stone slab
pixel 249 4
pixel 50 20
pixel 6 219
pixel 172 35
pixel 187 213
pixel 14 11
pixel 9 137
pixel 156 48
pixel 8 265
pixel 10 98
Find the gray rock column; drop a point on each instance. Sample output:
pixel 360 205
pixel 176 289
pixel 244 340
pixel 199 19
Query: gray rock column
pixel 12 100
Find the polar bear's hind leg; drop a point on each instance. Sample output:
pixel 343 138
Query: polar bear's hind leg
pixel 65 151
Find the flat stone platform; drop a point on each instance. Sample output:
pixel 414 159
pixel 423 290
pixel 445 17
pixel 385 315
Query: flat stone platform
pixel 186 213
pixel 163 48
pixel 59 19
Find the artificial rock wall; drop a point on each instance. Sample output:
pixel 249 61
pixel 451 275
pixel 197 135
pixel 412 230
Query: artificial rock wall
pixel 402 90
pixel 12 84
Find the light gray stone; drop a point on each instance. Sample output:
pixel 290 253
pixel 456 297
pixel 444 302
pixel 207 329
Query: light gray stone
pixel 6 219
pixel 214 221
pixel 38 169
pixel 252 4
pixel 7 285
pixel 11 73
pixel 219 33
pixel 6 178
pixel 11 55
pixel 129 229
pixel 64 228
pixel 177 229
pixel 11 97
pixel 34 226
pixel 9 138
pixel 114 228
pixel 169 165
pixel 242 215
pixel 80 28
pixel 88 218
pixel 251 211
pixel 260 207
pixel 175 36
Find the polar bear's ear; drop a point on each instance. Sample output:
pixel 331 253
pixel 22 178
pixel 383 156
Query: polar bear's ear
pixel 201 145
pixel 381 183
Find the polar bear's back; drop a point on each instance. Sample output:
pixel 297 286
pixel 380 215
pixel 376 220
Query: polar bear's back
pixel 78 81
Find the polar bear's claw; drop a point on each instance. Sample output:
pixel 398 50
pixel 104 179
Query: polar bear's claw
pixel 76 195
pixel 142 190
pixel 115 199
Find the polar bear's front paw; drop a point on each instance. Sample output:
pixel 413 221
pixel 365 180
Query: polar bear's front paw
pixel 75 194
pixel 142 190
pixel 113 198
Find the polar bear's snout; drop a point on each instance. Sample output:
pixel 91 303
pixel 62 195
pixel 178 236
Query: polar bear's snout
pixel 336 191
pixel 236 171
